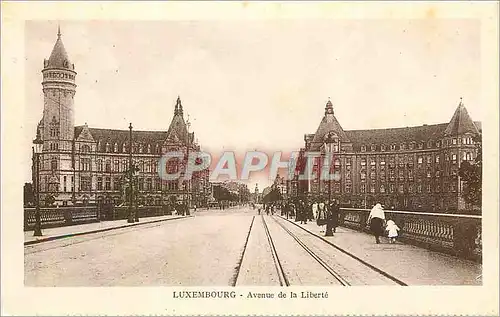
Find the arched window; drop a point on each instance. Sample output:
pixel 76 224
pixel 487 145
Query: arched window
pixel 85 148
pixel 108 148
pixel 124 148
pixel 149 148
pixel 116 147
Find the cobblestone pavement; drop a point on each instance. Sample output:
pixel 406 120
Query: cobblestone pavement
pixel 230 247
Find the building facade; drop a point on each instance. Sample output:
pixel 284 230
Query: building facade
pixel 82 165
pixel 413 168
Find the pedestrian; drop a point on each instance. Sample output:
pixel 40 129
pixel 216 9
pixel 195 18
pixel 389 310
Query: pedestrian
pixel 392 229
pixel 303 213
pixel 376 221
pixel 321 217
pixel 315 210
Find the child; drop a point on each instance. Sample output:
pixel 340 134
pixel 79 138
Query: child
pixel 393 229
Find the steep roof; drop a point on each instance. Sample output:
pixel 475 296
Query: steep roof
pixel 121 136
pixel 177 131
pixel 327 124
pixel 59 57
pixel 461 122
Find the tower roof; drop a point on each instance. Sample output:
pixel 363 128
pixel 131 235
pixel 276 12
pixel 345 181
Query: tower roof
pixel 327 124
pixel 461 122
pixel 59 57
pixel 178 132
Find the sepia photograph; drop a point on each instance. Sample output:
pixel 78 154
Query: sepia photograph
pixel 211 155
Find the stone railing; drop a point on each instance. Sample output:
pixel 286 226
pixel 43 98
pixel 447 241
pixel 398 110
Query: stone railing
pixel 67 216
pixel 62 216
pixel 459 235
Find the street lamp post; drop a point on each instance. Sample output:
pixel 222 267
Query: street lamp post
pixel 37 149
pixel 130 215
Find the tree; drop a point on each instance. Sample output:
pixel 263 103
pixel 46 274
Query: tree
pixel 471 175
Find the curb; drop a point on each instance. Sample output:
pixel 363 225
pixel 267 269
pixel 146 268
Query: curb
pixel 69 235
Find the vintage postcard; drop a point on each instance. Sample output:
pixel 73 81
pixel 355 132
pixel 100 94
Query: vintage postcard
pixel 250 158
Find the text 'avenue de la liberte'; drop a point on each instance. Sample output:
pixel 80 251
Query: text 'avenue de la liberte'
pixel 249 295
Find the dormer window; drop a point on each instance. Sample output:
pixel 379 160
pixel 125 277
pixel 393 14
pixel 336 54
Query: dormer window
pixel 382 147
pixel 373 147
pixel 412 145
pixel 116 147
pixel 124 148
pixel 420 146
pixel 393 147
pixel 402 146
pixel 438 143
pixel 429 144
pixel 149 148
pixel 157 148
pixel 363 148
pixel 108 148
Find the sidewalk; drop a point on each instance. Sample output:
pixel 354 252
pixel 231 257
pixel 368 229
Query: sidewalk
pixel 76 230
pixel 411 264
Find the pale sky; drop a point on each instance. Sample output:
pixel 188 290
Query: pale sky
pixel 260 84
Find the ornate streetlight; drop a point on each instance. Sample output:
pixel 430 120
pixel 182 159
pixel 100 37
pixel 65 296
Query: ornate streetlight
pixel 37 149
pixel 130 167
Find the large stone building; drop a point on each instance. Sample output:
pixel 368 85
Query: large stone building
pixel 404 168
pixel 81 165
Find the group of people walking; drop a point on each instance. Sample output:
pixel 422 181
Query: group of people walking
pixel 326 216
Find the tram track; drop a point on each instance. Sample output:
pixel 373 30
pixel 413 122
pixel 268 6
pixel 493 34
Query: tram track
pixel 342 250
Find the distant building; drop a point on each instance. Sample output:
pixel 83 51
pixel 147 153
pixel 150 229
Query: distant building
pixel 81 164
pixel 404 168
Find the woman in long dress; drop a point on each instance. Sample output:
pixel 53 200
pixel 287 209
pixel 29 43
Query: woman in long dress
pixel 376 221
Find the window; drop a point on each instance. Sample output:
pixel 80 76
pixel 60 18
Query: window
pixel 429 144
pixel 108 148
pixel 454 158
pixel 401 175
pixel 438 173
pixel 429 159
pixel 438 143
pixel 428 174
pixel 454 141
pixel 140 148
pixel 157 148
pixel 382 175
pixel 402 146
pixel 363 162
pixel 117 166
pixel 362 188
pixel 363 174
pixel 116 183
pixel 412 145
pixel 99 165
pixel 410 188
pixel 372 188
pixel 64 183
pixel 149 184
pixel 99 183
pixel 382 188
pixel 372 175
pixel 157 184
pixel 401 188
pixel 141 184
pixel 393 147
pixel 348 188
pixel 382 161
pixel 85 184
pixel 116 147
pixel 336 187
pixel 419 160
pixel 124 148
pixel 438 188
pixel 85 164
pixel 392 175
pixel 446 157
pixel 453 187
pixel 429 188
pixel 382 147
pixel 108 166
pixel 410 174
pixel 468 156
pixel 108 183
pixel 53 164
pixel 391 188
pixel 373 147
pixel 419 188
pixel 420 145
pixel 149 148
pixel 363 148
pixel 437 159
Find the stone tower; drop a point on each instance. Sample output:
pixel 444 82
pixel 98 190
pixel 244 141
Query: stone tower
pixel 57 125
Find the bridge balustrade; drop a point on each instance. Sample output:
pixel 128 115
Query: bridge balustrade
pixel 460 235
